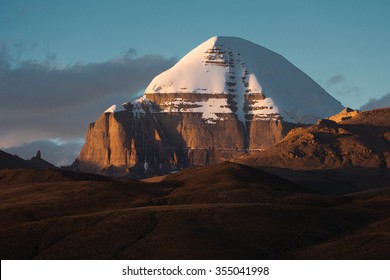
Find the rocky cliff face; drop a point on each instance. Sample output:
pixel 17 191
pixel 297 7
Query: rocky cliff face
pixel 122 143
pixel 226 98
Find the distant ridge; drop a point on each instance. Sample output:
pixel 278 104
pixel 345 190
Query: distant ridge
pixel 8 161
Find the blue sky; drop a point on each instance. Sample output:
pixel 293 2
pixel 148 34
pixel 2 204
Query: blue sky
pixel 343 45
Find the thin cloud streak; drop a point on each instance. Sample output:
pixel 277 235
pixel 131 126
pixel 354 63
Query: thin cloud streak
pixel 336 79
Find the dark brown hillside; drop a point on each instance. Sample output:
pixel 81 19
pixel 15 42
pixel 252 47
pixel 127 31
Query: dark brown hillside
pixel 229 182
pixel 225 211
pixel 47 175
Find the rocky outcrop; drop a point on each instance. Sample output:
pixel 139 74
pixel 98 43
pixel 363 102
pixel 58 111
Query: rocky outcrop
pixel 38 162
pixel 345 114
pixel 359 141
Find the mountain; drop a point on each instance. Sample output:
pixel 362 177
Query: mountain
pixel 8 161
pixel 225 98
pixel 359 141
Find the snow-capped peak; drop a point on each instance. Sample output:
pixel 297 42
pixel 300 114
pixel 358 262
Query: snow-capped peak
pixel 205 69
pixel 232 75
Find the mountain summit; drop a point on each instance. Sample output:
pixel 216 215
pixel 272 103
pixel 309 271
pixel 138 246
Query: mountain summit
pixel 225 98
pixel 232 75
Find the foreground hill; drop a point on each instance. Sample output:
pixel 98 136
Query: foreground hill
pixel 224 211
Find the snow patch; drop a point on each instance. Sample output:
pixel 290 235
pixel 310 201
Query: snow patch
pixel 111 109
pixel 209 108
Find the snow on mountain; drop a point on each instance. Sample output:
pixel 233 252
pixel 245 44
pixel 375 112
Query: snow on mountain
pixel 226 75
pixel 111 109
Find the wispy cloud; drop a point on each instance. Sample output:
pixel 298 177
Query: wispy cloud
pixel 373 103
pixel 336 79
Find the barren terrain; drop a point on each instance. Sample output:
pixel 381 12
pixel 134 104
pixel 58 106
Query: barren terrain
pixel 224 211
